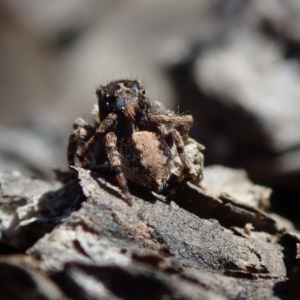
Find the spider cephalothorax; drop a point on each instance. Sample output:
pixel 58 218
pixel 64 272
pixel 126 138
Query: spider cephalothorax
pixel 120 97
pixel 133 135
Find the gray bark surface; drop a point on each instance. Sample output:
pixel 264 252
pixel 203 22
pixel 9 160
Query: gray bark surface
pixel 82 241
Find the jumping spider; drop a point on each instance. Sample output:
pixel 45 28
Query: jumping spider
pixel 133 135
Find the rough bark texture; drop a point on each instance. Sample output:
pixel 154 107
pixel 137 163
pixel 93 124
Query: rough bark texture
pixel 82 241
pixel 239 77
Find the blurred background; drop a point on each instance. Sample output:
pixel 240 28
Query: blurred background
pixel 233 64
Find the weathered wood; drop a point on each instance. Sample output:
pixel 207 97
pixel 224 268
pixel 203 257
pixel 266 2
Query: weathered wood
pixel 103 248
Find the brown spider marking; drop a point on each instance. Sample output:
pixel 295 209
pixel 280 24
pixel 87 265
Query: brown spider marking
pixel 133 135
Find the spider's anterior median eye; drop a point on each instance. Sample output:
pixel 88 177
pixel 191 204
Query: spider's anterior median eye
pixel 109 102
pixel 121 103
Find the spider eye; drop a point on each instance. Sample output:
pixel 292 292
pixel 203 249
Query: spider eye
pixel 109 101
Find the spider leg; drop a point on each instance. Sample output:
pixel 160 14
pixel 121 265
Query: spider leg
pixel 176 138
pixel 82 132
pixel 173 137
pixel 113 156
pixel 107 124
pixel 171 119
pixel 82 152
pixel 72 147
pixel 182 123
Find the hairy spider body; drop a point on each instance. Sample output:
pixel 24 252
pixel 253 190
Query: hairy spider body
pixel 146 160
pixel 133 135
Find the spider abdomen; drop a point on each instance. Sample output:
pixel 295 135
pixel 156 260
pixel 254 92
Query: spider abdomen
pixel 146 159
